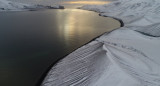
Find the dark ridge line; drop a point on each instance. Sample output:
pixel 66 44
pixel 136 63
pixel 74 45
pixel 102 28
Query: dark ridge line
pixel 122 25
pixel 121 22
pixel 146 34
pixel 40 81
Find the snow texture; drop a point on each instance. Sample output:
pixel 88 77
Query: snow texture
pixel 8 5
pixel 128 56
pixel 14 6
pixel 142 14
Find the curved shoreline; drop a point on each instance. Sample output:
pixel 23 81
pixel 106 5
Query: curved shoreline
pixel 121 22
pixel 39 83
pixel 54 64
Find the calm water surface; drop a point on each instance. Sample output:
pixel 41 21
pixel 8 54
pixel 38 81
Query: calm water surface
pixel 31 41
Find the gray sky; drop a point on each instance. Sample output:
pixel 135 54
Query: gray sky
pixel 50 2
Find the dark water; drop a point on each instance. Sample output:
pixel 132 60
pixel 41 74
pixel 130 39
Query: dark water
pixel 31 41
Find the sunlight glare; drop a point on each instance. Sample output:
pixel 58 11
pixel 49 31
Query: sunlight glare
pixel 88 2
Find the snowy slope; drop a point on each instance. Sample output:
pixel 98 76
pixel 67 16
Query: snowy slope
pixel 8 5
pixel 139 13
pixel 122 58
pixel 14 6
pixel 128 56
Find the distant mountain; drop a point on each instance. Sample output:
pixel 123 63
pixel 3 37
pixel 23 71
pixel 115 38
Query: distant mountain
pixel 14 6
pixel 8 5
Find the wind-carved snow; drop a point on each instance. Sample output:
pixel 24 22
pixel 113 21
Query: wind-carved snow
pixel 128 56
pixel 83 69
pixel 6 5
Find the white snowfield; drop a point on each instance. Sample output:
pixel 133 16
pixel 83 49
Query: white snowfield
pixel 14 6
pixel 128 56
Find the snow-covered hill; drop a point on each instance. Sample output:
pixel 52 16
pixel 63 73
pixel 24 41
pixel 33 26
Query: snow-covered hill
pixel 128 56
pixel 8 5
pixel 14 6
pixel 134 13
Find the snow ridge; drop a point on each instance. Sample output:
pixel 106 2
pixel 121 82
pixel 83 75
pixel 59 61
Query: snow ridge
pixel 85 70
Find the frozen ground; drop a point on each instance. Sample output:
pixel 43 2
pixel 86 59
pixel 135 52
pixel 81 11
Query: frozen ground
pixel 128 56
pixel 14 6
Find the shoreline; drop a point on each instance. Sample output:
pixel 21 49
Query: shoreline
pixel 61 58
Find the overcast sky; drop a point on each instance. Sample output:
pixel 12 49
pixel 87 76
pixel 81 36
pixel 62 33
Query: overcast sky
pixel 49 2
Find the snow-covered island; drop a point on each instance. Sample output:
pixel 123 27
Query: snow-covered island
pixel 127 56
pixel 14 6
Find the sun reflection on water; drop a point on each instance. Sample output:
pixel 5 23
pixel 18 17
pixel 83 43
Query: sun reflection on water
pixel 78 23
pixel 72 26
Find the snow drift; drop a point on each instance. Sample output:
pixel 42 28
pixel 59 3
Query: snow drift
pixel 128 56
pixel 14 6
